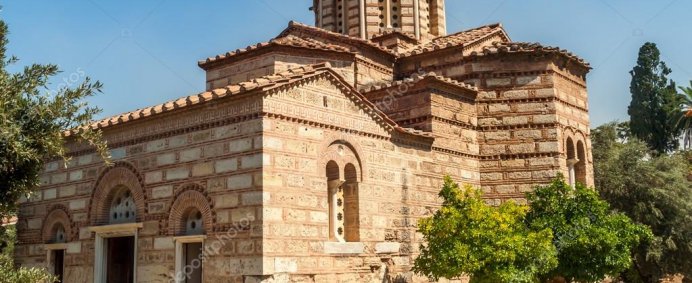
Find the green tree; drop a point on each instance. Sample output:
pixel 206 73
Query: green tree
pixel 32 124
pixel 492 244
pixel 653 101
pixel 591 241
pixel 652 190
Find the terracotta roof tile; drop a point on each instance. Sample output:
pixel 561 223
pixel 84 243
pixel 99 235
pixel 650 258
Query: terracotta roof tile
pixel 462 38
pixel 293 25
pixel 418 78
pixel 275 80
pixel 526 47
pixel 290 40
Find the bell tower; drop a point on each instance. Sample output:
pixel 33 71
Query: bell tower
pixel 422 19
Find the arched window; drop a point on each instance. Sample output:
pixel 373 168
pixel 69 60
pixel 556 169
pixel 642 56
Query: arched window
pixel 193 222
pixel 580 166
pixel 350 195
pixel 122 208
pixel 342 172
pixel 59 234
pixel 571 160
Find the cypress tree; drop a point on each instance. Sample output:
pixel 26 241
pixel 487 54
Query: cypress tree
pixel 653 101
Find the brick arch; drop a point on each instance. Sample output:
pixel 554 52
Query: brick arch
pixel 58 215
pixel 122 175
pixel 330 153
pixel 188 197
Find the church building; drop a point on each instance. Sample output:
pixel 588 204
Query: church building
pixel 311 157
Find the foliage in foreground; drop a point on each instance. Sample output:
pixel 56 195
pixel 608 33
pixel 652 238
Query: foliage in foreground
pixel 652 190
pixel 492 244
pixel 8 272
pixel 32 122
pixel 592 242
pixel 564 232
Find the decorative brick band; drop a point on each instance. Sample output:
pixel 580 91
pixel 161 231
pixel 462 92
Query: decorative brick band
pixel 122 175
pixel 188 198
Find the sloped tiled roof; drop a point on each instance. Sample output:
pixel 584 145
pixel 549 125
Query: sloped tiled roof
pixel 289 40
pixel 526 47
pixel 463 38
pixel 336 36
pixel 418 78
pixel 263 83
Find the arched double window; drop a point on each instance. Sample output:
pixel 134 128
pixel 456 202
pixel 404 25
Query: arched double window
pixel 342 171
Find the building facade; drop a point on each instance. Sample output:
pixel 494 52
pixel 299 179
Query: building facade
pixel 310 157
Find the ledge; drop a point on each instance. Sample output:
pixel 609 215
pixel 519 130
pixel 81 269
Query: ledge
pixel 56 246
pixel 387 247
pixel 190 239
pixel 116 230
pixel 344 247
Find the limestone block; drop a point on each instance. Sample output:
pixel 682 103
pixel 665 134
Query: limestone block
pixel 153 177
pixel 548 147
pixel 76 175
pixel 49 194
pixel 177 141
pixel 118 153
pixel 161 192
pixel 272 213
pixel 242 181
pixel 498 82
pixel 522 148
pixel 285 264
pixel 177 173
pixel 165 159
pixel 203 169
pixel 84 233
pixel 251 161
pixel 74 248
pixel 344 248
pixel 240 145
pixel 528 134
pixel 272 143
pixel 67 191
pixel 58 178
pixel 78 204
pixel 226 165
pixel 515 120
pixel 190 154
pixel 528 80
pixel 387 247
pixel 164 243
pixel 252 198
pixel 226 201
pixel 154 146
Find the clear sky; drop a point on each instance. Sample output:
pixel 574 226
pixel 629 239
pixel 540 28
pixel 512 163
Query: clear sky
pixel 146 51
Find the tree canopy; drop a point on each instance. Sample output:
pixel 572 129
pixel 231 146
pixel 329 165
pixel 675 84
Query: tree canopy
pixel 653 190
pixel 565 232
pixel 654 101
pixel 592 242
pixel 32 121
pixel 492 244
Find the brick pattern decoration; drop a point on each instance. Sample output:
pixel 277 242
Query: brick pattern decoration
pixel 119 176
pixel 190 197
pixel 59 215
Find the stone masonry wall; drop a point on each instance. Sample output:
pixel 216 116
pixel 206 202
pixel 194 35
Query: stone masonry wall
pixel 222 163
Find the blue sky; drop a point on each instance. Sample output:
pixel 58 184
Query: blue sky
pixel 145 51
